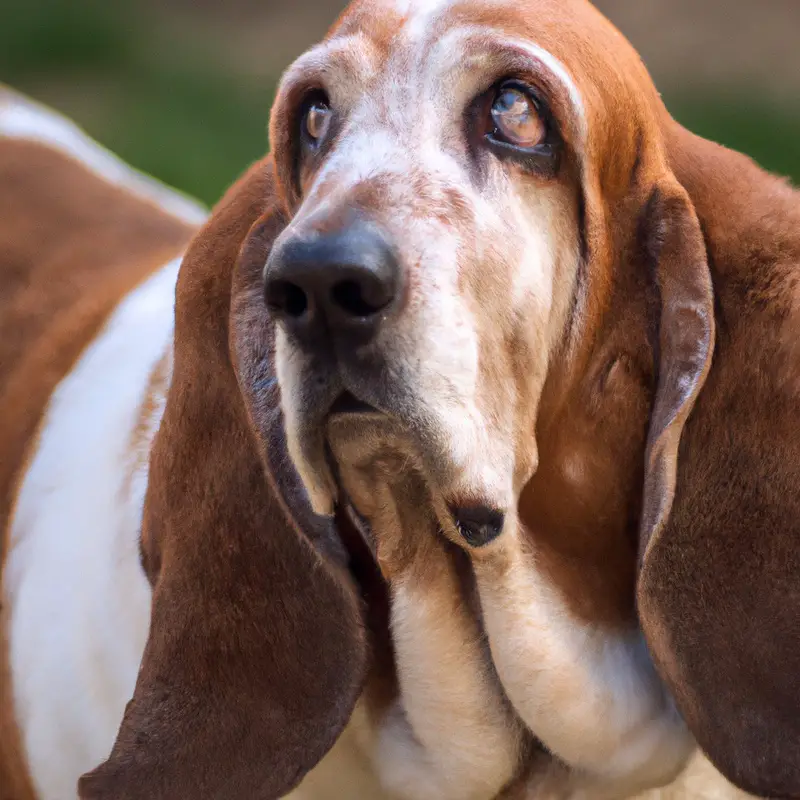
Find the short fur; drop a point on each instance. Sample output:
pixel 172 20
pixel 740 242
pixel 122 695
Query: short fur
pixel 59 226
pixel 622 340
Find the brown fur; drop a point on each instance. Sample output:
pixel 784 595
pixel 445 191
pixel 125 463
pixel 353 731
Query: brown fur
pixel 255 656
pixel 654 201
pixel 719 594
pixel 71 246
pixel 646 444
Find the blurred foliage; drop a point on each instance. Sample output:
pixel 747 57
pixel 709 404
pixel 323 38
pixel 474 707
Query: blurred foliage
pixel 155 100
pixel 161 103
pixel 746 121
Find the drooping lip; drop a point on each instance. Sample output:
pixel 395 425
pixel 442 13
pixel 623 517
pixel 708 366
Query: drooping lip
pixel 343 502
pixel 347 403
pixel 360 523
pixel 474 520
pixel 477 524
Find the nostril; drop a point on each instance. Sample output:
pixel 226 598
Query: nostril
pixel 344 283
pixel 356 299
pixel 284 297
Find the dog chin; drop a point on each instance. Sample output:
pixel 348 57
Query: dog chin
pixel 374 457
pixel 347 454
pixel 368 445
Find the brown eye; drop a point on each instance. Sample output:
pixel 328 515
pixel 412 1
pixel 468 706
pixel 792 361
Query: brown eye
pixel 516 118
pixel 318 121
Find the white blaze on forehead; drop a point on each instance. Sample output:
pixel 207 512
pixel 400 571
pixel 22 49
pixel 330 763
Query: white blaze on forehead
pixel 419 10
pixel 408 7
pixel 420 14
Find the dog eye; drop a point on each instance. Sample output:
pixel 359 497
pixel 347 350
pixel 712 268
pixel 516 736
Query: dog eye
pixel 317 121
pixel 516 118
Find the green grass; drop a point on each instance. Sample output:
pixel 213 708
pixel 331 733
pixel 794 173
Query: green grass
pixel 156 102
pixel 164 106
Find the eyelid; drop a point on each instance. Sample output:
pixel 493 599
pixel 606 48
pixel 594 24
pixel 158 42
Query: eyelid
pixel 545 157
pixel 527 89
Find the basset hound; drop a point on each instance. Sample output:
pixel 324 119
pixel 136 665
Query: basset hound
pixel 453 457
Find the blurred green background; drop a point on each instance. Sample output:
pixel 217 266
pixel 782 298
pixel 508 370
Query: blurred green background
pixel 182 88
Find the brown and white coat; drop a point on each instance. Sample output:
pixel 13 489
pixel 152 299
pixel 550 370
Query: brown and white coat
pixel 601 351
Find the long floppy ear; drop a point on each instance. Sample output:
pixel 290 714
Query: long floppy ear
pixel 719 582
pixel 256 652
pixel 674 246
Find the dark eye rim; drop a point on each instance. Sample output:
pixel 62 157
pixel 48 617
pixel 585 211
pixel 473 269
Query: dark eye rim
pixel 544 156
pixel 314 97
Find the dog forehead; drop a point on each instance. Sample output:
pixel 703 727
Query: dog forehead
pixel 603 65
pixel 393 24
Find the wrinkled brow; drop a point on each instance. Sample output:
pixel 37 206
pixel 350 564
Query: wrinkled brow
pixel 348 63
pixel 465 58
pixel 473 51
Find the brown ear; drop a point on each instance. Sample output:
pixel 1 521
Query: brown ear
pixel 256 652
pixel 676 251
pixel 719 586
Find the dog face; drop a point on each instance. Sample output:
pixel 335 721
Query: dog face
pixel 427 280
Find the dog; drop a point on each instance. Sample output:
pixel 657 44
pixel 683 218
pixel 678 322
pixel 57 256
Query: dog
pixel 453 455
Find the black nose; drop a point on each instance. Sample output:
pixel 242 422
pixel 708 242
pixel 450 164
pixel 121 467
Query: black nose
pixel 345 282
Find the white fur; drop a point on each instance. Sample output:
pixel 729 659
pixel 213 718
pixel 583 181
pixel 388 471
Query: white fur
pixel 450 736
pixel 590 694
pixel 391 133
pixel 77 600
pixel 345 775
pixel 21 118
pixel 420 15
pixel 418 8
